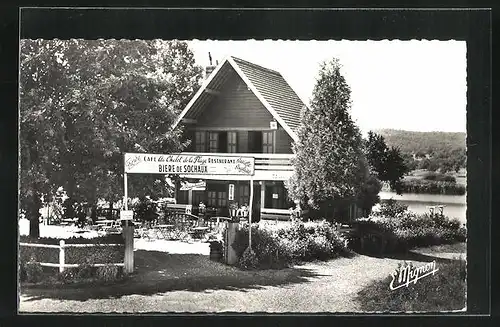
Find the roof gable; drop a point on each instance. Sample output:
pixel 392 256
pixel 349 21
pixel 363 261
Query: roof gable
pixel 268 85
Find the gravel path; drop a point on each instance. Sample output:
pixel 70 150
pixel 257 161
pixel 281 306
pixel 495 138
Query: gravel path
pixel 314 287
pixel 168 281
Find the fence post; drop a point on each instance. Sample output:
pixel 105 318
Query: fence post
pixel 128 263
pixel 230 255
pixel 61 256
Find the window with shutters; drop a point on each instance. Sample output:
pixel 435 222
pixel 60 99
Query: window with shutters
pixel 232 142
pixel 221 199
pixel 213 142
pixel 267 142
pixel 200 142
pixel 198 196
pixel 212 199
pixel 244 195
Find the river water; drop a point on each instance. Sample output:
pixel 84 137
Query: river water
pixel 455 205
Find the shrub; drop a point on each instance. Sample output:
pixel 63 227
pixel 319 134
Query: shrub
pixel 278 247
pixel 108 273
pixel 392 208
pixel 248 260
pixel 432 187
pixel 85 270
pixel 101 254
pixel 433 176
pixel 145 210
pixel 33 272
pixel 68 275
pixel 107 239
pixel 411 230
pixel 85 257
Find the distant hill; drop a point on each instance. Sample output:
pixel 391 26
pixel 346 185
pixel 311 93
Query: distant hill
pixel 424 142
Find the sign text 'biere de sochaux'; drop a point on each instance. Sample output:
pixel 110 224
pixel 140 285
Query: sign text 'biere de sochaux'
pixel 142 163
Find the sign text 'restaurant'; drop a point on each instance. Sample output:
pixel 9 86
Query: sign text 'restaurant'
pixel 143 163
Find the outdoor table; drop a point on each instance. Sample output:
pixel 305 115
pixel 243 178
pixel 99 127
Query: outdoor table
pixel 163 230
pixel 218 220
pixel 198 232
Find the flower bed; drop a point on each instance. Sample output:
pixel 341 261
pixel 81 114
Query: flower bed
pixel 282 245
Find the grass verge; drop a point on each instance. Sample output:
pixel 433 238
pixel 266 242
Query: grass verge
pixel 444 291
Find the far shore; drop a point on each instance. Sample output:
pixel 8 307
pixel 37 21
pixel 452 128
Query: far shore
pixel 422 197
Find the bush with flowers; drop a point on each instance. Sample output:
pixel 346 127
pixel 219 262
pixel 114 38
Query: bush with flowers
pixel 280 246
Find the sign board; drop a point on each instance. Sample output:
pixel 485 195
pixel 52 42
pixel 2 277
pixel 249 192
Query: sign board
pixel 275 195
pixel 199 186
pixel 188 164
pixel 126 215
pixel 231 192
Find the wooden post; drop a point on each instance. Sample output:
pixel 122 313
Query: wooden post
pixel 229 253
pixel 262 196
pixel 128 263
pixel 125 197
pixel 61 256
pixel 250 214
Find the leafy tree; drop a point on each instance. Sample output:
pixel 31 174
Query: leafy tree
pixel 85 103
pixel 40 128
pixel 145 210
pixel 368 195
pixel 329 160
pixel 396 169
pixel 388 163
pixel 377 153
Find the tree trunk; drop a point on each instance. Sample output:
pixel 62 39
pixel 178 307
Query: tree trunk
pixel 93 214
pixel 110 214
pixel 34 215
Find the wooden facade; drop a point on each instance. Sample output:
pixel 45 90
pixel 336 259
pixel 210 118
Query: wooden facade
pixel 232 114
pixel 235 107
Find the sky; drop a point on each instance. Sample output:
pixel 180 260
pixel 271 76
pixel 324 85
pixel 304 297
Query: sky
pixel 410 85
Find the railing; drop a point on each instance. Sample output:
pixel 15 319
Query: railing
pixel 274 214
pixel 268 166
pixel 184 208
pixel 62 265
pixel 263 161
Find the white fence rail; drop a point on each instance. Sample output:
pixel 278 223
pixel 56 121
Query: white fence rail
pixel 62 265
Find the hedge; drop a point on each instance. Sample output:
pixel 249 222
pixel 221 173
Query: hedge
pixel 423 186
pixel 433 176
pixel 85 257
pixel 410 230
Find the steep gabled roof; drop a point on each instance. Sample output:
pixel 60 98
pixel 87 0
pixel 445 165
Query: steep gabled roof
pixel 268 86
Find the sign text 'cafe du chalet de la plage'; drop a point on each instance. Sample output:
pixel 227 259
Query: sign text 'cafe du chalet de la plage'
pixel 143 163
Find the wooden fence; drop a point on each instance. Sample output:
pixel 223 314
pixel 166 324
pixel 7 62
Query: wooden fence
pixel 128 262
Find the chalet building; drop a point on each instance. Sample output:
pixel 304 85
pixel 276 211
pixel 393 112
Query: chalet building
pixel 246 110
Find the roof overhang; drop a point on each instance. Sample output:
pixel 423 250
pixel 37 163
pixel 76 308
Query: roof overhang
pixel 209 89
